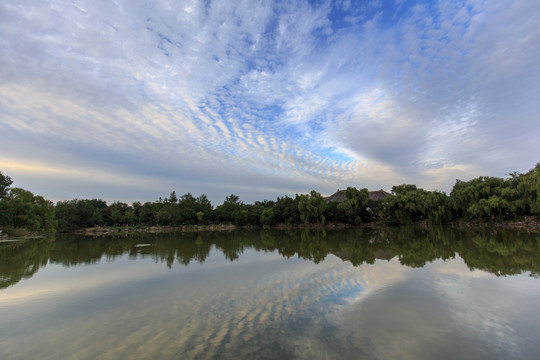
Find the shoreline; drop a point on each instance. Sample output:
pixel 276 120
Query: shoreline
pixel 529 224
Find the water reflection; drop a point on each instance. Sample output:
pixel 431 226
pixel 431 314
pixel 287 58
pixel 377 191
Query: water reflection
pixel 406 293
pixel 501 252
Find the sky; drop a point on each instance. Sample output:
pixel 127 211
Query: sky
pixel 129 100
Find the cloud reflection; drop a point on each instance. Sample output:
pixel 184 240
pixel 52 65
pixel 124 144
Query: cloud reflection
pixel 251 295
pixel 240 311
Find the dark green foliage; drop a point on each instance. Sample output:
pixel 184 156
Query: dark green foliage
pixel 334 212
pixel 255 211
pixel 406 206
pixel 479 197
pixel 146 213
pixel 187 209
pixel 204 209
pixel 438 207
pixel 528 192
pixel 119 213
pixel 495 198
pixel 75 214
pixel 483 198
pixel 232 211
pixel 354 209
pixel 286 210
pixel 410 204
pixel 5 183
pixel 312 207
pixel 172 198
pixel 268 217
pixel 22 209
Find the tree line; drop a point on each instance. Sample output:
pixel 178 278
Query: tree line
pixel 483 198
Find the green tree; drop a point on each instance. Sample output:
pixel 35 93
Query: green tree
pixel 5 183
pixel 76 214
pixel 406 206
pixel 147 213
pixel 353 209
pixel 23 209
pixel 267 217
pixel 120 213
pixel 254 211
pixel 232 210
pixel 311 207
pixel 438 209
pixel 172 198
pixel 204 206
pixel 488 197
pixel 188 208
pixel 410 204
pixel 286 210
pixel 528 189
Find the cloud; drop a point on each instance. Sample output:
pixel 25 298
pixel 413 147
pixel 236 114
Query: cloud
pixel 287 96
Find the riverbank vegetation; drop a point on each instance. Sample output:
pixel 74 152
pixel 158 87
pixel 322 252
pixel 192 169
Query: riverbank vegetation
pixel 483 199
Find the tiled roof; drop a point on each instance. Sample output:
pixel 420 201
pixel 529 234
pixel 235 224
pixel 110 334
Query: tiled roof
pixel 339 196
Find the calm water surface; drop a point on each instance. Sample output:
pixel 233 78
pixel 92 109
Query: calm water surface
pixel 405 293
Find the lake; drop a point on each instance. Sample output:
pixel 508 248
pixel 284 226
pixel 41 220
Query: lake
pixel 392 293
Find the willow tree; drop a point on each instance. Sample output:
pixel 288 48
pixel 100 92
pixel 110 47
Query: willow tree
pixel 410 204
pixel 528 188
pixel 354 208
pixel 492 197
pixel 312 207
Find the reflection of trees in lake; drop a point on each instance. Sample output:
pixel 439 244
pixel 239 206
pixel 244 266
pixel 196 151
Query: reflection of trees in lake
pixel 416 246
pixel 501 251
pixel 22 259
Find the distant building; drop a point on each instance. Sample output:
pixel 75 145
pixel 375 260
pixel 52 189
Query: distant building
pixel 339 196
pixel 378 195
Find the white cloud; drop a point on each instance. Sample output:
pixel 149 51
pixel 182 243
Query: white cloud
pixel 236 91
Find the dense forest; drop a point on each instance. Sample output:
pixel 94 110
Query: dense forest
pixel 480 199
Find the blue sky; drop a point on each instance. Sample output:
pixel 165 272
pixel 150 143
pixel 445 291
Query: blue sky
pixel 128 100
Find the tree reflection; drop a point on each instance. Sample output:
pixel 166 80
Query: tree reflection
pixel 22 259
pixel 501 252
